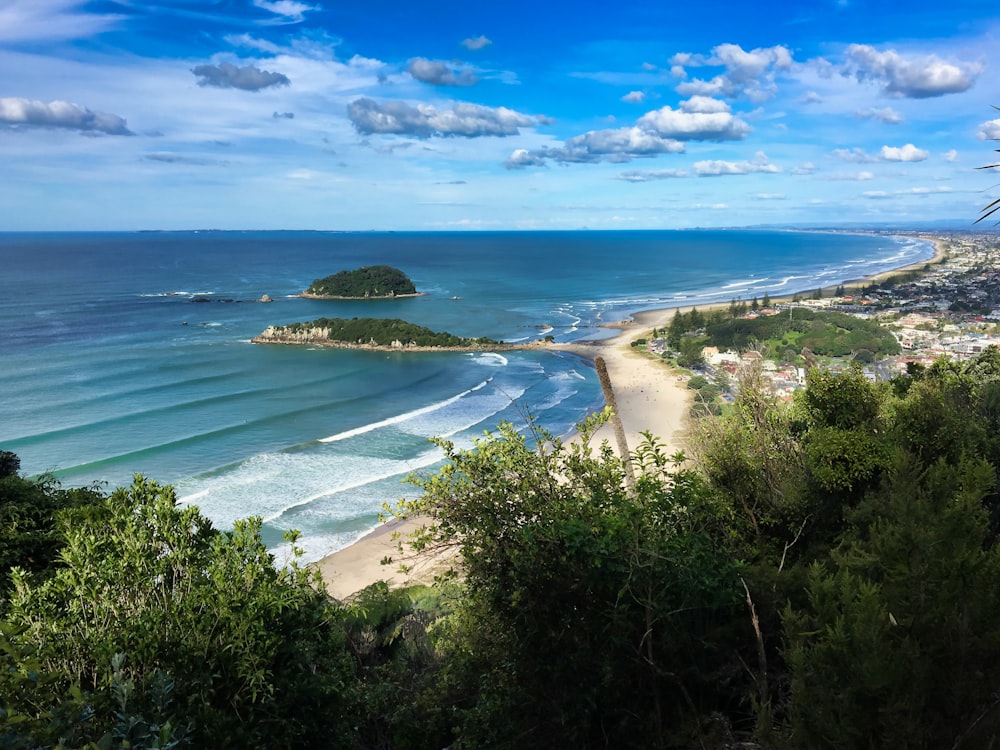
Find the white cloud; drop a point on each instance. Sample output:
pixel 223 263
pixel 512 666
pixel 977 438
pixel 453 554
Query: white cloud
pixel 424 120
pixel 634 97
pixel 748 74
pixel 887 115
pixel 950 156
pixel 856 155
pixel 694 126
pixel 522 157
pixel 639 175
pixel 811 97
pixel 875 194
pixel 914 77
pixel 288 11
pixel 989 131
pixel 32 20
pixel 909 152
pixel 438 72
pixel 474 43
pixel 59 114
pixel 770 197
pixel 704 104
pixel 806 168
pixel 717 168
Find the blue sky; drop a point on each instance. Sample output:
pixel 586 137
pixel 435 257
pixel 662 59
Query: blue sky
pixel 294 114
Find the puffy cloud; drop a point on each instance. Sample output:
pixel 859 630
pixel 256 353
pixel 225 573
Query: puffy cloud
pixel 909 152
pixel 59 114
pixel 288 11
pixel 747 73
pixel 522 157
pixel 438 73
pixel 474 43
pixel 989 131
pixel 914 77
pixel 424 120
pixel 704 104
pixel 806 168
pixel 717 168
pixel 811 97
pixel 886 115
pixel 634 97
pixel 694 126
pixel 639 175
pixel 616 146
pixel 228 76
pixel 950 156
pixel 661 131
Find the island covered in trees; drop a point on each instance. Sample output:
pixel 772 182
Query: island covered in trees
pixel 368 282
pixel 373 333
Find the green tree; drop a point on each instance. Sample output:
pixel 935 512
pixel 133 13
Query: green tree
pixel 899 645
pixel 255 652
pixel 31 533
pixel 589 608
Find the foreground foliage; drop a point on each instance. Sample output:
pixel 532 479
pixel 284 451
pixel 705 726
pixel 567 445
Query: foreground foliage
pixel 825 575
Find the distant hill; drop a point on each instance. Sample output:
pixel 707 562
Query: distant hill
pixel 369 282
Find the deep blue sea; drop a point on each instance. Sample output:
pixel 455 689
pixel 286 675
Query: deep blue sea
pixel 110 368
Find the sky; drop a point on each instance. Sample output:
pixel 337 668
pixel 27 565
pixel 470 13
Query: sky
pixel 389 115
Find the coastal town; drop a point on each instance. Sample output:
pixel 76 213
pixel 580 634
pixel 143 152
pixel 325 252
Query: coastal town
pixel 948 307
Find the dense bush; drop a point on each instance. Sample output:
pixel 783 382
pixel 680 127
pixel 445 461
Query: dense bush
pixel 369 281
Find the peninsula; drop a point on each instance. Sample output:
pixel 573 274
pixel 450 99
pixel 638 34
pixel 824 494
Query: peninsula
pixel 368 282
pixel 379 334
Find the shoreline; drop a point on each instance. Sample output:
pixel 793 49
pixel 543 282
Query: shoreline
pixel 650 397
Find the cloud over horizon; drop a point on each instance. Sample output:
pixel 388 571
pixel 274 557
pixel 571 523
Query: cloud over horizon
pixel 17 111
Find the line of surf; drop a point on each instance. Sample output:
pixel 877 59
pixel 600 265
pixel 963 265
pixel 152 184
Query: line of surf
pixel 403 417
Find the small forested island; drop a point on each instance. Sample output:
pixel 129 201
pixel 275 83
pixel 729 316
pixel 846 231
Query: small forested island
pixel 369 282
pixel 373 333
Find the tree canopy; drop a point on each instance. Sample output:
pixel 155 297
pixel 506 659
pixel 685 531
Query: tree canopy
pixel 365 282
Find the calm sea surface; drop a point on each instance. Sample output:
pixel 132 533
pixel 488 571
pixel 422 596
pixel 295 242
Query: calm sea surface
pixel 110 367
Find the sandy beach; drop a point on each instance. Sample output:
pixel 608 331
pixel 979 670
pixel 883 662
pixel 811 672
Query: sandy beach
pixel 650 397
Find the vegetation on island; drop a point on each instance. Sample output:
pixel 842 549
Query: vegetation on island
pixel 364 283
pixel 384 332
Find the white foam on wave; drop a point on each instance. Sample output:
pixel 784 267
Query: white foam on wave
pixel 272 485
pixel 744 282
pixel 490 359
pixel 399 418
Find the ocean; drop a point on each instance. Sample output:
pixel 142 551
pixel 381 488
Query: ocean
pixel 128 353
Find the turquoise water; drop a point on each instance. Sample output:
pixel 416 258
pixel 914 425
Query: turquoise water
pixel 111 368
